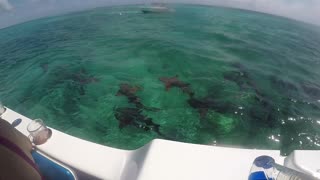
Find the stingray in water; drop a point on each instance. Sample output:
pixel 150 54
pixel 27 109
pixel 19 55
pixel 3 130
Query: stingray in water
pixel 134 117
pixel 130 92
pixel 175 82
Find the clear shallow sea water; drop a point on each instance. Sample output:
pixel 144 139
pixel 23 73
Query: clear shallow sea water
pixel 257 76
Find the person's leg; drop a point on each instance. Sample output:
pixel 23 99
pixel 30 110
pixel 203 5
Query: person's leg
pixel 13 135
pixel 15 154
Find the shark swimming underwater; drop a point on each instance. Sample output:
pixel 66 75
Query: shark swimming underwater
pixel 174 81
pixel 203 105
pixel 134 117
pixel 130 92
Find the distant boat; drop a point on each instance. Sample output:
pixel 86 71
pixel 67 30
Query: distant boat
pixel 156 8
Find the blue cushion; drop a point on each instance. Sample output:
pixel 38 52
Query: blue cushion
pixel 51 170
pixel 258 176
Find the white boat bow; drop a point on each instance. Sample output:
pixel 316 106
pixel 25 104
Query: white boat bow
pixel 161 159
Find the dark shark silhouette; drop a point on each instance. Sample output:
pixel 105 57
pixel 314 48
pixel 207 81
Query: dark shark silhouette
pixel 242 78
pixel 175 82
pixel 267 112
pixel 44 67
pixel 81 79
pixel 203 105
pixel 311 89
pixel 127 90
pixel 134 117
pixel 130 92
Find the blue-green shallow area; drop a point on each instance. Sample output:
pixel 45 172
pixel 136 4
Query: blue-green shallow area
pixel 256 75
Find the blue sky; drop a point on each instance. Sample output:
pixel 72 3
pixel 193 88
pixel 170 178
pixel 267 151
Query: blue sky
pixel 16 11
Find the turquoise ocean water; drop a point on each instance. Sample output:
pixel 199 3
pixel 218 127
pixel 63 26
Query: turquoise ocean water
pixel 254 77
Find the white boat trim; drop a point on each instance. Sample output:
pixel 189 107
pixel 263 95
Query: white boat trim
pixel 160 159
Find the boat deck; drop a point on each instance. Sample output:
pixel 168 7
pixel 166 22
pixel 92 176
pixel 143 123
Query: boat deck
pixel 157 160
